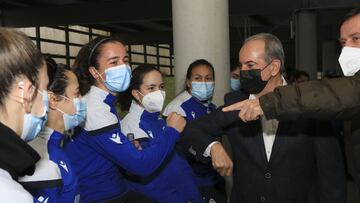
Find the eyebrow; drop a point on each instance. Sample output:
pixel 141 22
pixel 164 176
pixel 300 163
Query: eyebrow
pixel 247 62
pixel 152 85
pixel 112 58
pixel 196 74
pixel 351 35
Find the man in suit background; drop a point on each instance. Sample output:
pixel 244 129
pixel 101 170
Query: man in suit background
pixel 279 162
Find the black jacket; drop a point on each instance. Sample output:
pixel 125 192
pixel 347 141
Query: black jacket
pixel 300 168
pixel 16 156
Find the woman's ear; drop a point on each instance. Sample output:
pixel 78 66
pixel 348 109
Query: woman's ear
pixel 26 93
pixel 94 73
pixel 136 95
pixel 52 101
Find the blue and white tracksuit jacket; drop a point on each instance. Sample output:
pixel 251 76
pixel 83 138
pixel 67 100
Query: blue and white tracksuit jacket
pixel 101 151
pixel 174 180
pixel 54 179
pixel 191 108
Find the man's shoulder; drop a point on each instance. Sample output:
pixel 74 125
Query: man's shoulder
pixel 235 96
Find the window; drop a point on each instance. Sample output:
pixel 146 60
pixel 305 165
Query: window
pixel 158 55
pixel 63 42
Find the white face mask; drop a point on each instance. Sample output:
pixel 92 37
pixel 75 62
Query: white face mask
pixel 350 60
pixel 153 101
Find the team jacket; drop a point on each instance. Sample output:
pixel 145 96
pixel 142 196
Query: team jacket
pixel 54 179
pixel 174 180
pixel 101 151
pixel 191 108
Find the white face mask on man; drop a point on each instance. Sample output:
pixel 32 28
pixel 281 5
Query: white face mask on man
pixel 153 101
pixel 350 60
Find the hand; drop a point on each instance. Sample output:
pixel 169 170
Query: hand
pixel 221 160
pixel 250 109
pixel 137 144
pixel 176 121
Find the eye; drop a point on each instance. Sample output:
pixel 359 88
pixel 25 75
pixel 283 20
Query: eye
pixel 162 87
pixel 209 79
pixel 114 63
pixel 250 66
pixel 197 78
pixel 356 38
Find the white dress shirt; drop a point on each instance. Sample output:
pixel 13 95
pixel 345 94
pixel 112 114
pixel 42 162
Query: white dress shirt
pixel 269 128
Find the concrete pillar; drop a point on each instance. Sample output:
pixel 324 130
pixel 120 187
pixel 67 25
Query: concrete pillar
pixel 330 57
pixel 201 30
pixel 306 42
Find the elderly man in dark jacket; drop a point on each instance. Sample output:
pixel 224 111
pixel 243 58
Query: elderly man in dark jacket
pixel 274 161
pixel 325 99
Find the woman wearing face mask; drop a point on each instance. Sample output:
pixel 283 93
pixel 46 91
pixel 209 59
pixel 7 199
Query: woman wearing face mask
pixel 192 104
pixel 101 150
pixel 54 179
pixel 173 180
pixel 23 81
pixel 235 76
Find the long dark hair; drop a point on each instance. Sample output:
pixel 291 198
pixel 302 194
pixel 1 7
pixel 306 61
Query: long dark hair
pixel 59 82
pixel 89 56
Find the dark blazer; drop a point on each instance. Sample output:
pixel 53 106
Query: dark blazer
pixel 305 166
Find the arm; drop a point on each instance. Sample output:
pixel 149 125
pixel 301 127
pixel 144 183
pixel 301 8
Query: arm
pixel 330 165
pixel 113 145
pixel 325 99
pixel 200 133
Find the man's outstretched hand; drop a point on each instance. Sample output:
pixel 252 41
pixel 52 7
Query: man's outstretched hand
pixel 250 109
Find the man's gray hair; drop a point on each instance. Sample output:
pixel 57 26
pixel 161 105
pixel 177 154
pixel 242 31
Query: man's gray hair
pixel 273 47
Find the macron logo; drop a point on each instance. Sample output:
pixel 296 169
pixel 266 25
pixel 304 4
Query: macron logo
pixel 193 114
pixel 116 138
pixel 150 134
pixel 63 165
pixel 41 199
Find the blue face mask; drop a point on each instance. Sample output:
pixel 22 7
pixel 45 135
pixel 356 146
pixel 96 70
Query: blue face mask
pixel 202 91
pixel 73 120
pixel 235 84
pixel 118 78
pixel 32 123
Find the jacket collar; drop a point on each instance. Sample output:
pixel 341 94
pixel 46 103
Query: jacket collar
pixel 16 156
pixel 51 135
pixel 136 109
